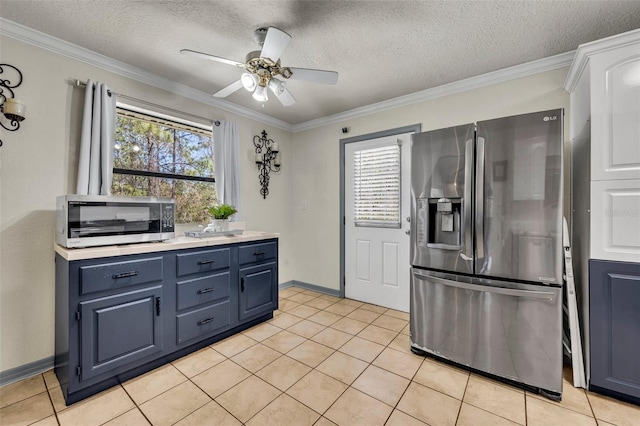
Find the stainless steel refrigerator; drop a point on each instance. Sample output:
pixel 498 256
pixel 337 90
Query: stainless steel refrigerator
pixel 486 247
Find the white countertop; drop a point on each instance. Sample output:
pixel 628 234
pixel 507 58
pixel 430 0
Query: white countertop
pixel 174 244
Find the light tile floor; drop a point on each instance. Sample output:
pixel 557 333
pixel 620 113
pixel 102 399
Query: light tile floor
pixel 320 361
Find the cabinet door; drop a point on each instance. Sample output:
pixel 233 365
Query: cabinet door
pixel 615 220
pixel 615 111
pixel 258 290
pixel 119 330
pixel 615 321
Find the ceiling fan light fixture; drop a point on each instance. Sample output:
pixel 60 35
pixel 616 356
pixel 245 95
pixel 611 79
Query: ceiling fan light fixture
pixel 261 67
pixel 276 86
pixel 249 81
pixel 260 94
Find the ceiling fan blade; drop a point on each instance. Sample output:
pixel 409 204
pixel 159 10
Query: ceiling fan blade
pixel 274 44
pixel 315 76
pixel 211 57
pixel 286 98
pixel 226 91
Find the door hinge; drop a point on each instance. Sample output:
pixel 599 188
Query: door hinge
pixel 344 280
pixel 78 370
pixel 78 316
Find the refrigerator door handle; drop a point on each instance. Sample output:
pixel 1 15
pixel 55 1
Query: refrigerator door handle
pixel 480 198
pixel 467 251
pixel 488 289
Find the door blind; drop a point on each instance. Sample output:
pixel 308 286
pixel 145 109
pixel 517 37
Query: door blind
pixel 377 187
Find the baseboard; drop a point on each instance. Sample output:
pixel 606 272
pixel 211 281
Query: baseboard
pixel 288 284
pixel 26 371
pixel 302 284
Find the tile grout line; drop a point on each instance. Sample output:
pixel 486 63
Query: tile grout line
pixel 526 413
pixel 406 389
pixel 556 404
pixel 55 413
pixel 371 364
pixel 466 385
pixel 136 405
pixel 495 414
pixel 586 394
pixel 334 351
pixel 212 399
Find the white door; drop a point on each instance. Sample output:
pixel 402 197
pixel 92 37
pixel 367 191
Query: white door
pixel 377 180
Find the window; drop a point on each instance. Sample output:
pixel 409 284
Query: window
pixel 377 187
pixel 155 157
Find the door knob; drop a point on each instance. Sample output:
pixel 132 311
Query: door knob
pixel 408 218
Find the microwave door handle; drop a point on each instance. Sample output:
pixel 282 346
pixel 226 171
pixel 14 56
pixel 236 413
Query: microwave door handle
pixel 467 245
pixel 480 198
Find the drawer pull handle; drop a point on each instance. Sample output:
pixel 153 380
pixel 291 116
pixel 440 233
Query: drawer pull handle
pixel 124 275
pixel 205 321
pixel 259 253
pixel 158 306
pixel 205 262
pixel 205 290
pixel 242 285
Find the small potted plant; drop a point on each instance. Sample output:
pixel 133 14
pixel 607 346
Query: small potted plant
pixel 221 214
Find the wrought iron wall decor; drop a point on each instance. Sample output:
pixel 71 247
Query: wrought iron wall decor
pixel 12 109
pixel 267 159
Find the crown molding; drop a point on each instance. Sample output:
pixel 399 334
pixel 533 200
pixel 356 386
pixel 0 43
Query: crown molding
pixel 585 51
pixel 44 41
pixel 505 74
pixel 61 47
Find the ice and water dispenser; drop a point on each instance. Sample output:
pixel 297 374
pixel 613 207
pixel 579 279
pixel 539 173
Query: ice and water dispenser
pixel 439 223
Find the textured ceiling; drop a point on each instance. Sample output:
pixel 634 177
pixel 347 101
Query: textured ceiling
pixel 382 49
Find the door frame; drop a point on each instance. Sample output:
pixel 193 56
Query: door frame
pixel 415 128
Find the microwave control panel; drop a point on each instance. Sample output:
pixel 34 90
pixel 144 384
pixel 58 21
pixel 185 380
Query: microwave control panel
pixel 168 215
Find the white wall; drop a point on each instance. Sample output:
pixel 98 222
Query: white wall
pixel 38 163
pixel 316 174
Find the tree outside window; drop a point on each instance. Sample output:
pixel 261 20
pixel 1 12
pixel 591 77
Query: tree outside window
pixel 155 157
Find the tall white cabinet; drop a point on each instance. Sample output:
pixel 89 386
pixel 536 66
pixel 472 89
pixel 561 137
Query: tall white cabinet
pixel 604 82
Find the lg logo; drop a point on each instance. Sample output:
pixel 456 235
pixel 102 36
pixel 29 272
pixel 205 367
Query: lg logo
pixel 552 118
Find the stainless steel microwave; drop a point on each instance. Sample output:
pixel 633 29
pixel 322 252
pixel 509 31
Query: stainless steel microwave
pixel 100 220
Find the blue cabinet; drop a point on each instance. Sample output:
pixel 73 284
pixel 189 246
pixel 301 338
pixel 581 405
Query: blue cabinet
pixel 118 317
pixel 258 294
pixel 120 329
pixel 615 328
pixel 258 279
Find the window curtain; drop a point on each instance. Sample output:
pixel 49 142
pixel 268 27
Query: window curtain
pixel 227 170
pixel 95 164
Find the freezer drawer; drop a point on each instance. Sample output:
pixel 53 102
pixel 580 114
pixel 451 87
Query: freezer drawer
pixel 511 330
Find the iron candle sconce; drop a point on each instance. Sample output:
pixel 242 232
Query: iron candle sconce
pixel 267 159
pixel 12 109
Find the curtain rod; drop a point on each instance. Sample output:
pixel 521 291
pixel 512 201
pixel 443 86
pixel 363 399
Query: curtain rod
pixel 80 83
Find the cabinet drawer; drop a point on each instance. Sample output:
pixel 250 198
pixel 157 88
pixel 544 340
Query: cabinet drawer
pixel 257 252
pixel 202 261
pixel 109 276
pixel 202 322
pixel 202 290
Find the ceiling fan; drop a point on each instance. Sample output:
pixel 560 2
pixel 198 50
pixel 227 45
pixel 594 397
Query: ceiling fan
pixel 263 69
